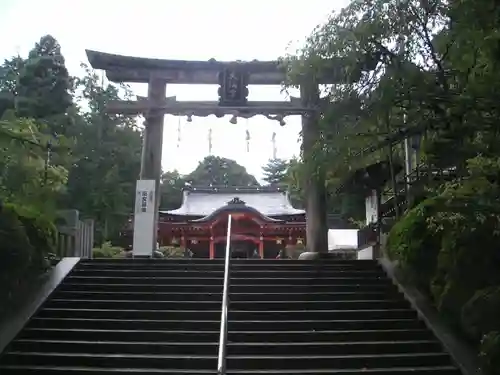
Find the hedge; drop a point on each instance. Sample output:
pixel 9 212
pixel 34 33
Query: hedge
pixel 489 355
pixel 16 251
pixel 26 239
pixel 450 248
pixel 107 250
pixel 414 246
pixel 480 315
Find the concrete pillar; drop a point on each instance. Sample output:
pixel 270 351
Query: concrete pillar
pixel 153 144
pixel 315 190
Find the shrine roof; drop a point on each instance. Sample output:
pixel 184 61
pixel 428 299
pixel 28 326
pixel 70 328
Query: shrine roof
pixel 204 201
pixel 237 207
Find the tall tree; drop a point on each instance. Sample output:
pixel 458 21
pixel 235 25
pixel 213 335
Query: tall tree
pixel 26 178
pixel 409 69
pixel 44 85
pixel 275 172
pixel 171 187
pixel 294 182
pixel 9 75
pixel 107 156
pixel 218 171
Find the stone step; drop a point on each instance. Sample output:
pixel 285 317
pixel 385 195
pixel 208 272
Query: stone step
pixel 152 316
pixel 86 334
pixel 238 362
pixel 233 349
pixel 289 306
pixel 205 280
pixel 235 273
pixel 304 324
pixel 217 296
pixel 52 370
pixel 128 286
pixel 144 314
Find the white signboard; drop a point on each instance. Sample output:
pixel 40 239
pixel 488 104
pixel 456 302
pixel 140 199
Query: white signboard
pixel 144 218
pixel 371 208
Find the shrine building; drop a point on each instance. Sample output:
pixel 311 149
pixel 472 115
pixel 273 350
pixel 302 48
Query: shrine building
pixel 263 221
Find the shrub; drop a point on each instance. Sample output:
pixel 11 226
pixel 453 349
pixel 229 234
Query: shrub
pixel 172 251
pixel 35 233
pixel 414 244
pixel 107 251
pixel 489 355
pixel 469 259
pixel 19 262
pixel 15 248
pixel 480 315
pixel 294 251
pixel 41 231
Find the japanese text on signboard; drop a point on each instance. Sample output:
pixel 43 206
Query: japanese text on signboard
pixel 144 201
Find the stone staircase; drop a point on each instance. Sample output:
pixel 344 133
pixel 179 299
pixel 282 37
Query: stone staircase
pixel 286 317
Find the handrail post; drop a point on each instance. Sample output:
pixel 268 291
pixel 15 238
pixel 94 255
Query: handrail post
pixel 221 361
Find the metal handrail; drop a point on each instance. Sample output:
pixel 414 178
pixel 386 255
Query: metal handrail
pixel 221 362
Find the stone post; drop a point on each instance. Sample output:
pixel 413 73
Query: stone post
pixel 315 190
pixel 153 144
pixel 261 246
pixel 211 251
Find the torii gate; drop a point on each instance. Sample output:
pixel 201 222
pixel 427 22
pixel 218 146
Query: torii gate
pixel 233 78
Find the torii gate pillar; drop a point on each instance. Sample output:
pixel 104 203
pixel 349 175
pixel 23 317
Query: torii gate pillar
pixel 153 144
pixel 315 190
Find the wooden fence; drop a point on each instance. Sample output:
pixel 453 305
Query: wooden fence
pixel 75 237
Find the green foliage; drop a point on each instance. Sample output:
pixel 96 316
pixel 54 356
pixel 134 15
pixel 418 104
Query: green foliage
pixel 379 77
pixel 26 178
pixel 212 170
pixel 462 270
pixel 25 241
pixel 437 243
pixel 414 245
pixel 106 159
pixel 9 73
pixel 44 83
pixel 15 248
pixel 94 157
pixel 218 171
pixel 294 251
pixel 275 172
pixel 294 182
pixel 172 251
pixel 404 70
pixel 469 258
pixel 489 355
pixel 171 187
pixel 40 230
pixel 427 69
pixel 480 314
pixel 107 250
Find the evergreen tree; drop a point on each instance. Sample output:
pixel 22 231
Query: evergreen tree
pixel 9 74
pixel 218 171
pixel 44 85
pixel 275 172
pixel 171 187
pixel 107 158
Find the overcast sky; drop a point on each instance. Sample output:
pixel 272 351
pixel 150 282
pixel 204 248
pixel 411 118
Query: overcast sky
pixel 179 29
